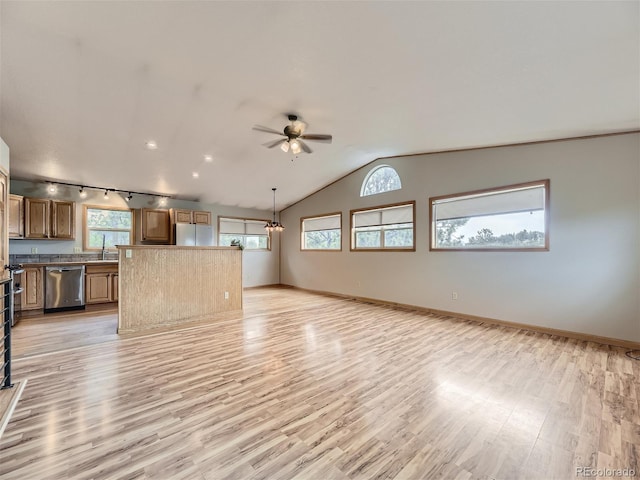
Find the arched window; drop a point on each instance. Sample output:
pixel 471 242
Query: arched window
pixel 382 178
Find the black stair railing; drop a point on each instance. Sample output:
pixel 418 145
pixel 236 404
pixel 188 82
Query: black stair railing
pixel 7 313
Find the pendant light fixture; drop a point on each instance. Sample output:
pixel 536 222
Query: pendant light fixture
pixel 274 226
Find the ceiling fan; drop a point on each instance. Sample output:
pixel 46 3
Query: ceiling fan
pixel 293 135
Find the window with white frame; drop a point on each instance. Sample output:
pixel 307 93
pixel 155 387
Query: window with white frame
pixel 388 227
pixel 322 232
pixel 380 179
pixel 513 217
pixel 249 232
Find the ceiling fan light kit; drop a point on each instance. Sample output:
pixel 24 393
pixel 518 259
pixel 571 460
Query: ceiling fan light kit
pixel 293 136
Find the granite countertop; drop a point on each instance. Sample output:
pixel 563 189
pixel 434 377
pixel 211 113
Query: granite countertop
pixel 86 262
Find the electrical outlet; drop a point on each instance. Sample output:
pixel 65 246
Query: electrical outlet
pixel 128 253
pixel 77 250
pixel 34 249
pixel 454 295
pixel 226 295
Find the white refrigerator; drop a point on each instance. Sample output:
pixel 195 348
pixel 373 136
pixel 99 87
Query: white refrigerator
pixel 192 235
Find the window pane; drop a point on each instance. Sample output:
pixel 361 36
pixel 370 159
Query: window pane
pixel 322 240
pixel 398 237
pixel 250 242
pixel 253 242
pixel 101 218
pixel 111 238
pixel 381 179
pixel 225 239
pixel 368 239
pixel 515 230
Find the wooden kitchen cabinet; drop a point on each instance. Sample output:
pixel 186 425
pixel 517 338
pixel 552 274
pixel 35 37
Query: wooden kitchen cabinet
pixel 63 225
pixel 49 219
pixel 155 225
pixel 202 218
pixel 190 216
pixel 32 296
pixel 16 216
pixel 36 218
pixel 101 284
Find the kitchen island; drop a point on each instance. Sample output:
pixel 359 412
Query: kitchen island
pixel 165 285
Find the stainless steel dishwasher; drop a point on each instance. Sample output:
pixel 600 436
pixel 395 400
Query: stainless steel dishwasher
pixel 64 288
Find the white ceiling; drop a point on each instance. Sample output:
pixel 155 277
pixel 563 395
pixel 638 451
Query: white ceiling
pixel 85 84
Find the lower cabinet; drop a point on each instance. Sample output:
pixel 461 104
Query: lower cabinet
pixel 101 284
pixel 32 297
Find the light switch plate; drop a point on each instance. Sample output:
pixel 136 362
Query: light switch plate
pixel 128 253
pixel 34 249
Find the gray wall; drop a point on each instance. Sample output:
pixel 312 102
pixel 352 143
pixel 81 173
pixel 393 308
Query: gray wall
pixel 258 267
pixel 589 281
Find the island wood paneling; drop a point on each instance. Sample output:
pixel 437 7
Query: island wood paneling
pixel 161 286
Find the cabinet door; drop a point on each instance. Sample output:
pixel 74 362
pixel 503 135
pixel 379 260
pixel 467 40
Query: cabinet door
pixel 114 287
pixel 182 216
pixel 32 283
pixel 36 218
pixel 63 219
pixel 98 287
pixel 16 216
pixel 155 225
pixel 202 218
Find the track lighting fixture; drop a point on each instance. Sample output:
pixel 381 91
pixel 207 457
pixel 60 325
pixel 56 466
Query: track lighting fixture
pixel 52 187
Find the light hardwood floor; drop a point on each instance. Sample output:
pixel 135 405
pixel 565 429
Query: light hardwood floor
pixel 312 387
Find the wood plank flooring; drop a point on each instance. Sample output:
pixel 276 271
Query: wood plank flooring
pixel 306 386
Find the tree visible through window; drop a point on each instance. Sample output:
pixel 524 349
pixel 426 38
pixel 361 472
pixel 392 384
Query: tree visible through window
pixel 322 233
pixel 382 178
pixel 111 225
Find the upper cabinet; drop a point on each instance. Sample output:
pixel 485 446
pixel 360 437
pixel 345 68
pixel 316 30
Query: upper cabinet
pixel 16 216
pixel 190 216
pixel 53 219
pixel 155 226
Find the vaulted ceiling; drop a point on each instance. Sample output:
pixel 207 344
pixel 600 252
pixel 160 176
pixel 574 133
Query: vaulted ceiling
pixel 84 85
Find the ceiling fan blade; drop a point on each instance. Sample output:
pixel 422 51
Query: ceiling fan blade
pixel 260 128
pixel 317 138
pixel 304 146
pixel 275 143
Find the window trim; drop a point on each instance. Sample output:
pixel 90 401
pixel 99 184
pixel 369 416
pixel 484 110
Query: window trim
pixel 268 234
pixel 352 242
pixel 370 173
pixel 547 209
pixel 85 227
pixel 302 219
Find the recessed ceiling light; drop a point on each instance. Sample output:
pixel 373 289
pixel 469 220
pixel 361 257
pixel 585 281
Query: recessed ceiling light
pixel 208 158
pixel 151 145
pixel 195 174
